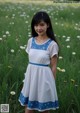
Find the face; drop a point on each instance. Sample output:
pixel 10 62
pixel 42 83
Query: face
pixel 41 28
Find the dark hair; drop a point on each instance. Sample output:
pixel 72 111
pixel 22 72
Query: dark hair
pixel 37 18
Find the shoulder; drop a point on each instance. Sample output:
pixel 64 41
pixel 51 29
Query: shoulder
pixel 53 44
pixel 53 48
pixel 30 39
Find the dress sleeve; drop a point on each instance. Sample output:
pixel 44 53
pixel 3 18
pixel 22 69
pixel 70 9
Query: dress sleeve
pixel 28 45
pixel 53 49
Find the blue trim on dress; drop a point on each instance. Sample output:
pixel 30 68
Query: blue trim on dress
pixel 38 105
pixel 23 100
pixel 38 64
pixel 42 46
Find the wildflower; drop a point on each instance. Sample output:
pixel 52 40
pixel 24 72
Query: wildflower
pixel 12 50
pixel 73 53
pixel 65 81
pixel 61 0
pixel 78 36
pixel 0 39
pixel 72 14
pixel 4 36
pixel 29 35
pixel 9 67
pixel 58 68
pixel 76 24
pixel 72 80
pixel 63 36
pixel 28 29
pixel 17 39
pixel 22 47
pixel 76 28
pixel 27 16
pixel 23 81
pixel 12 22
pixel 63 70
pixel 12 93
pixel 55 34
pixel 56 23
pixel 67 39
pixel 76 85
pixel 60 57
pixel 7 32
pixel 68 46
pixel 6 16
pixel 62 24
pixel 13 14
pixel 79 29
pixel 26 22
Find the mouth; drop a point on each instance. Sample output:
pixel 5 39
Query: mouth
pixel 40 31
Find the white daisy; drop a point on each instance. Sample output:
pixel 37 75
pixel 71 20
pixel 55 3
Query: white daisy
pixel 12 93
pixel 12 50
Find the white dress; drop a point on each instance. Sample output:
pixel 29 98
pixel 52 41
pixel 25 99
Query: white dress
pixel 39 89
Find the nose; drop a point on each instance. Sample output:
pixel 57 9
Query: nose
pixel 38 27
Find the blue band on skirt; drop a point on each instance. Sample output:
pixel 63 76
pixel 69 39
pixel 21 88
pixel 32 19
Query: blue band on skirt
pixel 38 105
pixel 38 64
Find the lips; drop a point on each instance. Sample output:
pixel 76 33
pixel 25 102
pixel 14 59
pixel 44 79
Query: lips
pixel 40 31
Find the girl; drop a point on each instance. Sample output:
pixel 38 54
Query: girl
pixel 39 89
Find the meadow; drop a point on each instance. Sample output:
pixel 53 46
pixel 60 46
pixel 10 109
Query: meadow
pixel 15 20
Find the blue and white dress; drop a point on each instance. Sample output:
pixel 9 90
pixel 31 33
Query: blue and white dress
pixel 39 89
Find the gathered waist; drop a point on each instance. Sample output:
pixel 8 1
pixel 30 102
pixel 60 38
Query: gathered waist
pixel 46 65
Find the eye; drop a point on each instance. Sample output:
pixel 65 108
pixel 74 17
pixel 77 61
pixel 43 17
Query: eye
pixel 41 24
pixel 36 25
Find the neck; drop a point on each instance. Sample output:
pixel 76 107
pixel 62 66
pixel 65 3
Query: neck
pixel 42 37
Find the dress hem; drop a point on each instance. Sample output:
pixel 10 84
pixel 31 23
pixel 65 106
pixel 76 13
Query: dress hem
pixel 22 103
pixel 42 110
pixel 37 108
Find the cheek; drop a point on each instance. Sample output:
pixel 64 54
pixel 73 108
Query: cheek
pixel 35 28
pixel 45 28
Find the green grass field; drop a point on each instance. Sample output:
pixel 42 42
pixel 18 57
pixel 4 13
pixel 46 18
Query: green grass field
pixel 15 19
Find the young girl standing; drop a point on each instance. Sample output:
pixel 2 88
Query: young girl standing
pixel 39 89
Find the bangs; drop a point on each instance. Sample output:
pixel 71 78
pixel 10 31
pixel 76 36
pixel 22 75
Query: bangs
pixel 37 21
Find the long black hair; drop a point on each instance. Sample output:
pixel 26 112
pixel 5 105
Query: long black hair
pixel 37 18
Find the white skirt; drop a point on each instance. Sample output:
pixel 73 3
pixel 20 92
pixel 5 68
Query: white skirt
pixel 39 89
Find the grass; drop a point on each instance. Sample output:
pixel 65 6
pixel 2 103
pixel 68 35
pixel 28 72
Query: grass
pixel 15 19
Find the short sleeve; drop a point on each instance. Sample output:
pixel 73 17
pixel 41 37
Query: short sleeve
pixel 28 45
pixel 53 49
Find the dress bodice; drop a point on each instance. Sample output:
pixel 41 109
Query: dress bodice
pixel 41 53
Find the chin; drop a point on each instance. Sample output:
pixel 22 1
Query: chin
pixel 41 34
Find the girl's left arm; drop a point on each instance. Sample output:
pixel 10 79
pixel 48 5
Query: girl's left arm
pixel 53 63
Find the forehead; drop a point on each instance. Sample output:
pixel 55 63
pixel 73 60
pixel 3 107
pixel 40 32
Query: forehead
pixel 41 22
